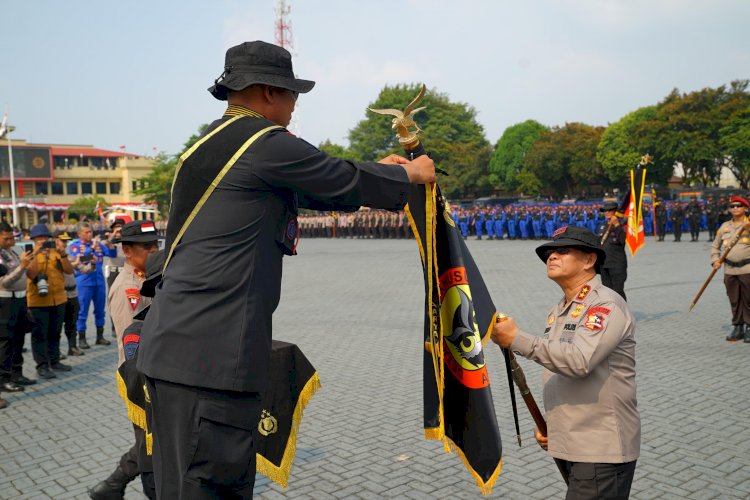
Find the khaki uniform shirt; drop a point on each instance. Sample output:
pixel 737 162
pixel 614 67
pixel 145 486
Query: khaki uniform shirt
pixel 12 281
pixel 741 251
pixel 588 351
pixel 125 301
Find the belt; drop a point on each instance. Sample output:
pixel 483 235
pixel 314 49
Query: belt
pixel 7 294
pixel 739 263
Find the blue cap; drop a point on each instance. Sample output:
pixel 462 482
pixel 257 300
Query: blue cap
pixel 39 230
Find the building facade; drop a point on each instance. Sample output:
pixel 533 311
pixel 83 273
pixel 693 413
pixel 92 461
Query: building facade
pixel 51 177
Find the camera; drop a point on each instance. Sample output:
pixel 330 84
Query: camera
pixel 41 284
pixel 48 244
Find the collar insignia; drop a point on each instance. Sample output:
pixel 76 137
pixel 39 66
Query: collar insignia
pixel 584 292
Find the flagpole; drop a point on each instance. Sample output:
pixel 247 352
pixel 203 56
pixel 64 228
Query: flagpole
pixel 12 178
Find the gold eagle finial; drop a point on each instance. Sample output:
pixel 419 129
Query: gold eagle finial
pixel 403 120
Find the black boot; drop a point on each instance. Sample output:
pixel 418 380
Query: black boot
pixel 100 340
pixel 737 333
pixel 73 349
pixel 747 334
pixel 82 341
pixel 112 488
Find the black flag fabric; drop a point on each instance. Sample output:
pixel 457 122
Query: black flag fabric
pixel 292 382
pixel 459 315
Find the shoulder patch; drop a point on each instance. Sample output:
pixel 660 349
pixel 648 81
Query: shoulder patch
pixel 598 309
pixel 134 297
pixel 594 321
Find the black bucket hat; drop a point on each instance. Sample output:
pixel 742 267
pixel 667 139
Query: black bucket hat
pixel 257 62
pixel 610 205
pixel 138 231
pixel 576 237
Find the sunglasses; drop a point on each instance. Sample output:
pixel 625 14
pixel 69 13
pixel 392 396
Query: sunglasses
pixel 558 251
pixel 736 205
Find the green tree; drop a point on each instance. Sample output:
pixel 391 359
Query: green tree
pixel 451 134
pixel 623 144
pixel 563 159
pixel 157 185
pixel 336 150
pixel 686 129
pixel 86 205
pixel 735 145
pixel 510 151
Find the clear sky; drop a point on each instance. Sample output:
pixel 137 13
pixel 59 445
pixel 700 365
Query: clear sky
pixel 135 73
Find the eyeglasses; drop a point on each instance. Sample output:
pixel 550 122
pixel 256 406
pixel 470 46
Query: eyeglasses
pixel 736 205
pixel 558 251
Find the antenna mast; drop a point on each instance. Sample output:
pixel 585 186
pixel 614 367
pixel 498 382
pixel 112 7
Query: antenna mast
pixel 284 38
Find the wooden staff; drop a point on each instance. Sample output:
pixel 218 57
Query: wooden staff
pixel 536 414
pixel 721 260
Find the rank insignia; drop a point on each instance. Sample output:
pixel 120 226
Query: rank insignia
pixel 139 273
pixel 134 297
pixel 594 322
pixel 584 291
pixel 577 310
pixel 551 319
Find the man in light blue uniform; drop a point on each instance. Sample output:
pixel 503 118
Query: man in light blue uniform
pixel 91 286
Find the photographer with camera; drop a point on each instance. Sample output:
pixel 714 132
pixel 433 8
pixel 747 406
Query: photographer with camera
pixel 13 314
pixel 46 299
pixel 91 286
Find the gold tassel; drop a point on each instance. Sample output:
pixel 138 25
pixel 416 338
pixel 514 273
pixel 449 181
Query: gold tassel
pixel 280 474
pixel 484 486
pixel 136 414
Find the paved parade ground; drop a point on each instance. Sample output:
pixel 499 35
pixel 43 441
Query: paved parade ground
pixel 355 309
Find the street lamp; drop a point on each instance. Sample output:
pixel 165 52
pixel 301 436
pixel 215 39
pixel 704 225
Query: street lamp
pixel 5 130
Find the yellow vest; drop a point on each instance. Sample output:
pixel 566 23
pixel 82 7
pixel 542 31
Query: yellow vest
pixel 51 266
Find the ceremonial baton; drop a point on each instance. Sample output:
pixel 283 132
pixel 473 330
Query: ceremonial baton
pixel 536 414
pixel 721 260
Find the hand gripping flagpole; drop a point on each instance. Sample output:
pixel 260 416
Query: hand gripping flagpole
pixel 721 261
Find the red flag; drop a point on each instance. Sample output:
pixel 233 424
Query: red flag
pixel 122 147
pixel 636 237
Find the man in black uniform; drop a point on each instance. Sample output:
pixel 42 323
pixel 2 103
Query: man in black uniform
pixel 661 218
pixel 694 213
pixel 677 216
pixel 206 341
pixel 615 269
pixel 712 217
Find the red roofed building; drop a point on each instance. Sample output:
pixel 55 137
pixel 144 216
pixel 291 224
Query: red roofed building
pixel 50 177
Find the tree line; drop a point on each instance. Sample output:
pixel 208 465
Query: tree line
pixel 704 131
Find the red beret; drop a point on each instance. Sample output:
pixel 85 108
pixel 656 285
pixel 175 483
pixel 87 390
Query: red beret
pixel 739 199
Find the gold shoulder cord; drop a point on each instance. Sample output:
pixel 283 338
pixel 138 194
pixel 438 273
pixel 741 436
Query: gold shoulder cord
pixel 213 184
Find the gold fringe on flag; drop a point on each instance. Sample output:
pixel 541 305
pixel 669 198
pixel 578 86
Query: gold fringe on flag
pixel 136 414
pixel 280 474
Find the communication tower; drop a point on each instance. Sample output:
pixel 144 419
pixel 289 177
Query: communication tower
pixel 284 38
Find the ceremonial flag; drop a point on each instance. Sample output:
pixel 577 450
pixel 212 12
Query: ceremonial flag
pixel 459 314
pixel 653 209
pixel 635 236
pixel 292 382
